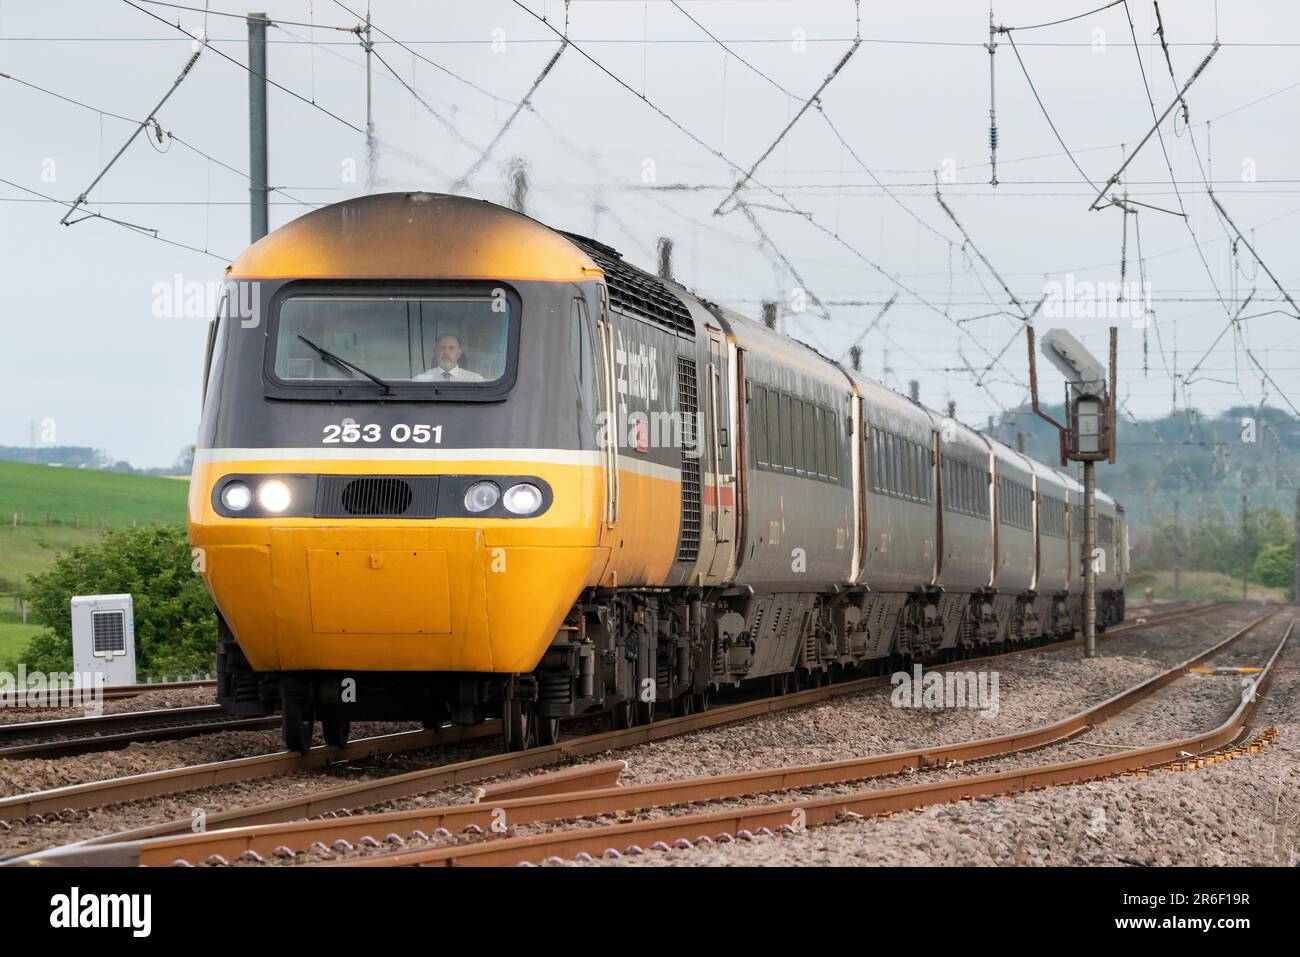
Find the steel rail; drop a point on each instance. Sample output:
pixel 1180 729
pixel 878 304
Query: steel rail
pixel 67 747
pixel 177 780
pixel 97 733
pixel 230 841
pixel 726 824
pixel 117 693
pixel 92 724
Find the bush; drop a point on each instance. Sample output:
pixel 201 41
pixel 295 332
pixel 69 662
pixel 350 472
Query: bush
pixel 175 621
pixel 1275 566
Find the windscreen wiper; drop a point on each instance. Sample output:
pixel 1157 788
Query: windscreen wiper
pixel 345 364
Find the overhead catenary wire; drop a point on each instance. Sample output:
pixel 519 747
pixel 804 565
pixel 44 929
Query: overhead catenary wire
pixel 270 21
pixel 790 207
pixel 147 232
pixel 463 180
pixel 143 125
pixel 1015 301
pixel 420 56
pixel 825 114
pixel 892 191
pixel 749 174
pixel 158 128
pixel 247 69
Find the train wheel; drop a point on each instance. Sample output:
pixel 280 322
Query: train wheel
pixel 548 730
pixel 516 725
pixel 701 701
pixel 623 715
pixel 336 728
pixel 645 712
pixel 297 724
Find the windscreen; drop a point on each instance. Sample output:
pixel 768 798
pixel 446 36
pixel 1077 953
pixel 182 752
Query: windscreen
pixel 398 339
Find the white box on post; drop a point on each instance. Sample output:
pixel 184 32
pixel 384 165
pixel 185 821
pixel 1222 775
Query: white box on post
pixel 103 639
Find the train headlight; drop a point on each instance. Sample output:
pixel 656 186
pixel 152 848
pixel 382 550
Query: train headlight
pixel 236 496
pixel 522 499
pixel 481 496
pixel 273 495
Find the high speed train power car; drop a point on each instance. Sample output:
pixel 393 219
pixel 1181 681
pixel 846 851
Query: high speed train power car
pixel 456 465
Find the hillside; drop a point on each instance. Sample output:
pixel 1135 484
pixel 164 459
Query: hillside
pixel 1205 463
pixel 62 507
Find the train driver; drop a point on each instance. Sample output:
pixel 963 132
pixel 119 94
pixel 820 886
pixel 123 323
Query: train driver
pixel 449 351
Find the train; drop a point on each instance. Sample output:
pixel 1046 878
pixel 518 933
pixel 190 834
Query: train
pixel 455 465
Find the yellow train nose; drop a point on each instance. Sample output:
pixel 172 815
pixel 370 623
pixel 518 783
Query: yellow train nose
pixel 394 599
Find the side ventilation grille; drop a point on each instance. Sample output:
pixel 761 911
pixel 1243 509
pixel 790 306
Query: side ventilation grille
pixel 635 292
pixel 688 407
pixel 379 496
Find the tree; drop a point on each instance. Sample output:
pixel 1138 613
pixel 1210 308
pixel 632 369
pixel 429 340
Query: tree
pixel 185 460
pixel 175 621
pixel 1275 566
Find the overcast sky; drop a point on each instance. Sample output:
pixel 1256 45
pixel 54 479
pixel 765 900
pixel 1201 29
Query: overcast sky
pixel 81 346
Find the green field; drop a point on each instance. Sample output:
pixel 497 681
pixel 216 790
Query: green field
pixel 1198 586
pixel 67 495
pixel 14 636
pixel 63 507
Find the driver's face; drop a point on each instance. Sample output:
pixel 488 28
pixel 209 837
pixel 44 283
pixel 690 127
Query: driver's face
pixel 449 353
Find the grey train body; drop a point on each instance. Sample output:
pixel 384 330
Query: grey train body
pixel 869 530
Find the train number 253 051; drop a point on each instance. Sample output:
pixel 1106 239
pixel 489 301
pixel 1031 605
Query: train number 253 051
pixel 349 432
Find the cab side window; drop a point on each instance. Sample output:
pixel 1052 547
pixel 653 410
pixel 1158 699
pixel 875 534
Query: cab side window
pixel 580 354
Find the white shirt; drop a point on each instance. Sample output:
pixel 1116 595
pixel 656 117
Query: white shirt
pixel 438 374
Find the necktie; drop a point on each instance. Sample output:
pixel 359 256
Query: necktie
pixel 446 374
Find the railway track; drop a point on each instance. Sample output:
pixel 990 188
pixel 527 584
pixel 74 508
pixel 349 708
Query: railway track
pixel 68 736
pixel 37 806
pixel 119 693
pixel 1223 742
pixel 261 824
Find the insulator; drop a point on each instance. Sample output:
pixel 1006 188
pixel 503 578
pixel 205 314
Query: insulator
pixel 993 136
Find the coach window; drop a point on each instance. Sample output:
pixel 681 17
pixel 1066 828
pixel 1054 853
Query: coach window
pixel 876 469
pixel 913 471
pixel 918 475
pixel 891 462
pixel 878 450
pixel 896 472
pixel 759 424
pixel 809 441
pixel 794 442
pixel 773 430
pixel 833 445
pixel 787 435
pixel 818 442
pixel 885 461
